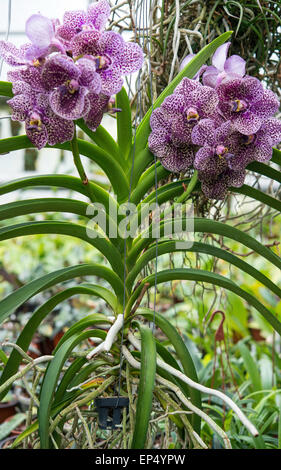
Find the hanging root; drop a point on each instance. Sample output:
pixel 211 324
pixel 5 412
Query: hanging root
pixel 251 428
pixel 182 398
pixel 110 338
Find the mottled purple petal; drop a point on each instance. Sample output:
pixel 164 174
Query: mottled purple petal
pixel 186 86
pixel 112 44
pixel 21 106
pixel 30 75
pixel 203 132
pixel 111 81
pixel 89 77
pixel 206 100
pixel 267 106
pixel 208 162
pixel 98 14
pixel 86 42
pixel 174 103
pixel 39 137
pixel 69 106
pixel 247 123
pixel 159 119
pixel 178 159
pixel 11 54
pixel 220 55
pixel 98 106
pixel 272 129
pixel 59 130
pixel 235 65
pixel 131 59
pixel 39 30
pixel 248 88
pixel 57 70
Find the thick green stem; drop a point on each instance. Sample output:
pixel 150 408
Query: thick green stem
pixel 79 166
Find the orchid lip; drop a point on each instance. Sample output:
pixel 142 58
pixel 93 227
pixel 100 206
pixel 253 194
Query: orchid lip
pixel 248 139
pixel 238 106
pixel 71 86
pixel 35 121
pixel 221 150
pixel 102 62
pixel 192 114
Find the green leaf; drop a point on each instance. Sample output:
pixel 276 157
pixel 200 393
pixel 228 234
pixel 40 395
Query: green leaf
pixel 183 355
pixel 124 124
pixel 259 196
pixel 251 368
pixel 50 382
pixel 8 426
pixel 197 247
pixel 107 163
pixel 40 314
pixel 146 387
pixel 72 206
pixel 6 89
pixel 60 181
pixel 189 71
pixel 110 252
pixel 206 226
pixel 204 276
pixel 21 295
pixel 103 139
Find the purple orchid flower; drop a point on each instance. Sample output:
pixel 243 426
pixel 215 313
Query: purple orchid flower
pixel 172 124
pixel 245 102
pixel 68 84
pixel 217 187
pixel 41 33
pixel 186 61
pixel 223 68
pixel 75 22
pixel 113 57
pixel 42 124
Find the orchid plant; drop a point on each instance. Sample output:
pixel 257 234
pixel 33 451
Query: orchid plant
pixel 208 127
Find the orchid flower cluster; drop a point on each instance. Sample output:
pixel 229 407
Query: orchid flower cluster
pixel 68 71
pixel 217 127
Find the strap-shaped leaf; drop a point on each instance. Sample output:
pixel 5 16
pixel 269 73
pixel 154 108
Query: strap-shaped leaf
pixel 183 355
pixel 40 314
pixel 259 196
pixel 197 247
pixel 206 226
pixel 60 181
pixel 146 386
pixel 103 139
pixel 124 124
pixel 50 382
pixel 72 206
pixel 108 164
pixel 6 89
pixel 104 245
pixel 21 295
pixel 204 276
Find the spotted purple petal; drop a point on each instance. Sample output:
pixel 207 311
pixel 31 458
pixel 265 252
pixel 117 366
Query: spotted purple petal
pixel 68 105
pixel 131 59
pixel 98 106
pixel 98 14
pixel 39 137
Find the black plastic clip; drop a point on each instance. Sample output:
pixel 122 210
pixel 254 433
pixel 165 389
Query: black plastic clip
pixel 109 410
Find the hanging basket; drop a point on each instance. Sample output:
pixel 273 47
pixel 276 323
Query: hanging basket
pixel 110 411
